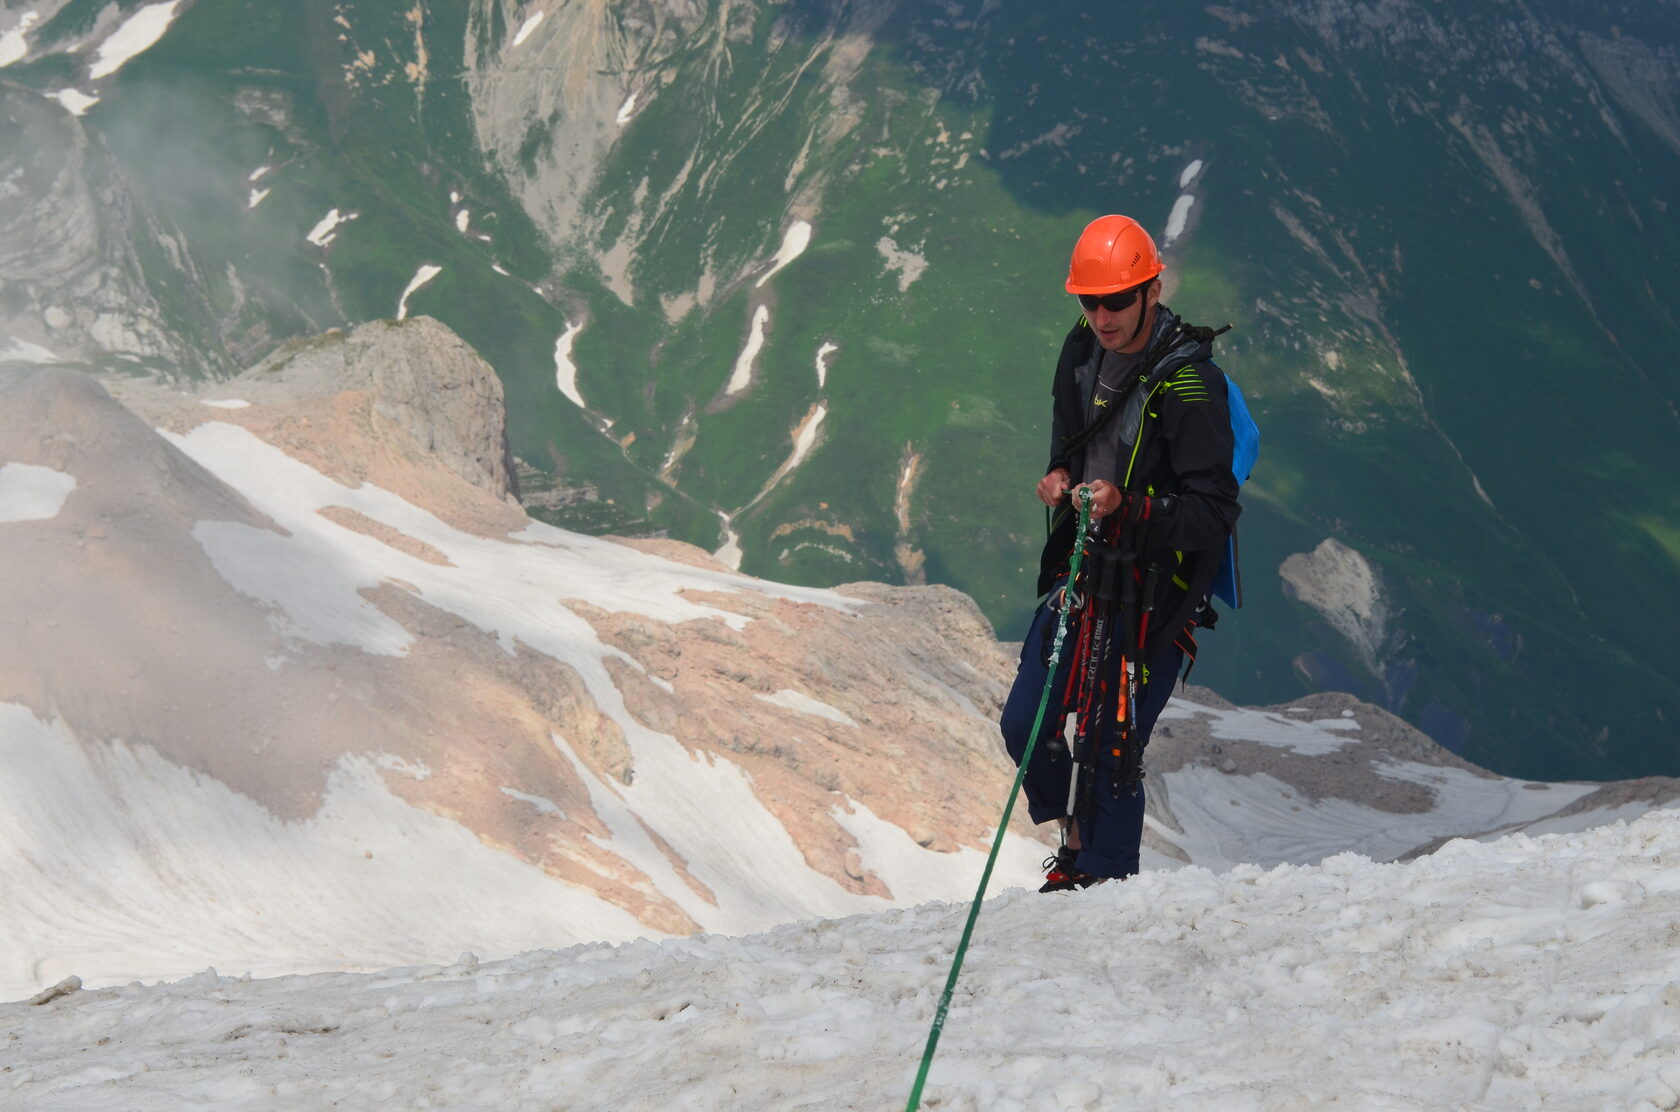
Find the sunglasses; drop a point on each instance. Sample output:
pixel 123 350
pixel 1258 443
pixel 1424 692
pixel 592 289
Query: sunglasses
pixel 1113 302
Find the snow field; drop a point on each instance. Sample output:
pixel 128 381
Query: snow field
pixel 1532 972
pixel 122 865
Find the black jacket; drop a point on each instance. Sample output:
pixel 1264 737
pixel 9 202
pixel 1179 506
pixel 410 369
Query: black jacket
pixel 1176 439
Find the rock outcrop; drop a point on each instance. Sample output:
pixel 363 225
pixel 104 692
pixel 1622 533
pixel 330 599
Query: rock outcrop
pixel 418 375
pixel 71 284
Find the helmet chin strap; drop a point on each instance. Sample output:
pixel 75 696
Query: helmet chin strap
pixel 1145 317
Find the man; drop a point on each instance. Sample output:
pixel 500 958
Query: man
pixel 1140 420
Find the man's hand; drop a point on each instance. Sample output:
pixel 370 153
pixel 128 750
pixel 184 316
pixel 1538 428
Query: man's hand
pixel 1054 487
pixel 1105 497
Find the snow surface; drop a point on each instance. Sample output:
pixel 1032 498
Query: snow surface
pixel 31 493
pixel 729 553
pixel 824 357
pixel 807 438
pixel 799 701
pixel 1530 973
pixel 462 220
pixel 1229 820
pixel 14 44
pixel 527 27
pixel 1179 217
pixel 137 35
pixel 75 101
pixel 425 274
pixel 256 198
pixel 794 242
pixel 741 377
pixel 1308 739
pixel 26 352
pixel 314 574
pixel 144 847
pixel 326 229
pixel 1189 173
pixel 565 371
pixel 627 110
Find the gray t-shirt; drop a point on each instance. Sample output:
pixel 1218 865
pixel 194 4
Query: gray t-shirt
pixel 1116 375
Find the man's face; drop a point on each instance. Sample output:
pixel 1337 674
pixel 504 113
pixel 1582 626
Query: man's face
pixel 1117 329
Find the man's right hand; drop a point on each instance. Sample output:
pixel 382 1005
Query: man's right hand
pixel 1054 487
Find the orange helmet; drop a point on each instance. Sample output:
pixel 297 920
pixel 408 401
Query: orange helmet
pixel 1114 253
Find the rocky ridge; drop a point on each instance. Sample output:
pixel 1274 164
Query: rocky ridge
pixel 318 566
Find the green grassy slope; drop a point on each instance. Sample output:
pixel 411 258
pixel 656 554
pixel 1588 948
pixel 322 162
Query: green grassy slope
pixel 1444 237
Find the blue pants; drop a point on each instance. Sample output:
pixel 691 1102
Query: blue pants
pixel 1109 840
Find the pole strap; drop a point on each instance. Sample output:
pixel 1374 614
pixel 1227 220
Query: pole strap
pixel 1008 809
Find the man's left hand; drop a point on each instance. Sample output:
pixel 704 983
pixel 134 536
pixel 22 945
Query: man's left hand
pixel 1105 497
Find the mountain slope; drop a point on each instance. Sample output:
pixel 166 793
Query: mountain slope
pixel 783 280
pixel 283 659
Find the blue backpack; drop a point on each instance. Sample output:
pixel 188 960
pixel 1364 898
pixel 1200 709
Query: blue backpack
pixel 1227 581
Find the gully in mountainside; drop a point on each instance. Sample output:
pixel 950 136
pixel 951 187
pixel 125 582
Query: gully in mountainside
pixel 1141 418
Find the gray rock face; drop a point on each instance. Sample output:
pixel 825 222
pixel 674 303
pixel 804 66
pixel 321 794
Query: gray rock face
pixel 420 376
pixel 71 287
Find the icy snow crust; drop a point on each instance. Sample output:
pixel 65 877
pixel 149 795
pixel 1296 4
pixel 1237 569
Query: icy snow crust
pixel 1527 973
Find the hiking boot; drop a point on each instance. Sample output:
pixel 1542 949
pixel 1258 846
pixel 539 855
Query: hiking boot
pixel 1058 868
pixel 1061 876
pixel 1070 882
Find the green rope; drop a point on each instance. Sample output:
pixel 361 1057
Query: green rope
pixel 1008 809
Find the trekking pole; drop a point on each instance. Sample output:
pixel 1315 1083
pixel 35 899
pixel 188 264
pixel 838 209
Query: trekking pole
pixel 915 1102
pixel 1099 593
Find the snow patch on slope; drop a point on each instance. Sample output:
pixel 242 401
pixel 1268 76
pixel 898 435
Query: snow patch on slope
pixel 741 377
pixel 14 44
pixel 425 274
pixel 326 229
pixel 799 701
pixel 824 357
pixel 25 352
pixel 527 27
pixel 31 493
pixel 565 371
pixel 137 35
pixel 75 101
pixel 794 242
pixel 1179 218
